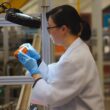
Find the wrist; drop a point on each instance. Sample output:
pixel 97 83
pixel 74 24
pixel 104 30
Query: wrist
pixel 36 82
pixel 36 76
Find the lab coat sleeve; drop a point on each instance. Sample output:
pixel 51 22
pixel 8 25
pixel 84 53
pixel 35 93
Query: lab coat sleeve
pixel 43 69
pixel 65 82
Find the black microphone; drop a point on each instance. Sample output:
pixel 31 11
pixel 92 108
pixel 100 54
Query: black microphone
pixel 16 16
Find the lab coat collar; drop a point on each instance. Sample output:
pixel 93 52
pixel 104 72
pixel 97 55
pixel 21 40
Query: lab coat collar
pixel 74 45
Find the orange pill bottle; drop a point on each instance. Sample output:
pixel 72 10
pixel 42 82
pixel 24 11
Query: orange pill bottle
pixel 22 49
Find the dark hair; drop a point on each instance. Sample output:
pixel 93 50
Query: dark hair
pixel 67 15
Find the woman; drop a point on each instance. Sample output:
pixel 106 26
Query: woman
pixel 73 82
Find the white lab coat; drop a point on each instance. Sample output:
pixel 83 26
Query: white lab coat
pixel 72 83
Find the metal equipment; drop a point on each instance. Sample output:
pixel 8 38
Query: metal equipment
pixel 16 80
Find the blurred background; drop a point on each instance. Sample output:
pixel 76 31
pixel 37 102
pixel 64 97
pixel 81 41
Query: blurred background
pixel 95 12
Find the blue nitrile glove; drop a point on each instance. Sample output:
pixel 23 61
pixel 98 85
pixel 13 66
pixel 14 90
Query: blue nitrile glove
pixel 31 51
pixel 29 63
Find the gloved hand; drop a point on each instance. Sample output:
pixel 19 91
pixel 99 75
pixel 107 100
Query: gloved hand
pixel 31 51
pixel 29 63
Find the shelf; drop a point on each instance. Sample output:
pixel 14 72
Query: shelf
pixel 106 62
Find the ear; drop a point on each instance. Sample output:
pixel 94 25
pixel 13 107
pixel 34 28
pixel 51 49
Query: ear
pixel 65 29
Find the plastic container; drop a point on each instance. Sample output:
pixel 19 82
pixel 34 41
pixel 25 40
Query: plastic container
pixel 22 49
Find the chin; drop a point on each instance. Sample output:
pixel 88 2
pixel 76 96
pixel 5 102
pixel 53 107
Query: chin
pixel 57 43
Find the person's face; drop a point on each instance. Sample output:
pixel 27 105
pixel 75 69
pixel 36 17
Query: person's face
pixel 57 33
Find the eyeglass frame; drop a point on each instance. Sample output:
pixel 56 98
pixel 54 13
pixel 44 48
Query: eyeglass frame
pixel 51 27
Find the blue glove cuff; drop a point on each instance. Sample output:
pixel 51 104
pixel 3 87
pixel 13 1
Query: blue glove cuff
pixel 32 66
pixel 34 71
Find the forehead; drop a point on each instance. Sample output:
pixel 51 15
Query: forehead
pixel 50 21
